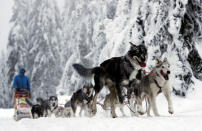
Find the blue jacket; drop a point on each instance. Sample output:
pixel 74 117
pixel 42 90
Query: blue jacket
pixel 21 81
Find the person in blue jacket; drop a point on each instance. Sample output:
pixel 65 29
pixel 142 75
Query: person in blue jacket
pixel 21 82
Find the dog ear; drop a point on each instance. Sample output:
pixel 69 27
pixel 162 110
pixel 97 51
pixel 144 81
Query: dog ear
pixel 157 60
pixel 165 59
pixel 132 45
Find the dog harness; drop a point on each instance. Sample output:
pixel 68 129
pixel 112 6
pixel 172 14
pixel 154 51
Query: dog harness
pixel 88 99
pixel 157 84
pixel 54 108
pixel 155 81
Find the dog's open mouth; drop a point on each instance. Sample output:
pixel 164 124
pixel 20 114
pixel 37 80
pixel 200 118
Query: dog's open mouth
pixel 87 93
pixel 165 76
pixel 142 64
pixel 53 104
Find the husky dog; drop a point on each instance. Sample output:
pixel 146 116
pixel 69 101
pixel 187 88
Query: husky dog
pixel 45 105
pixel 154 83
pixel 83 98
pixel 40 109
pixel 36 110
pixel 114 72
pixel 116 102
pixel 58 111
pixel 53 103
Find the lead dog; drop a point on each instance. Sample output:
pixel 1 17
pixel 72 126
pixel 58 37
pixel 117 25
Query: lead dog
pixel 113 72
pixel 153 84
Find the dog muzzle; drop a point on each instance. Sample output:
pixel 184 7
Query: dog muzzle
pixel 142 64
pixel 165 76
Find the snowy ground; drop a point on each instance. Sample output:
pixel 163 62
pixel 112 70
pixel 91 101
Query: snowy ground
pixel 188 116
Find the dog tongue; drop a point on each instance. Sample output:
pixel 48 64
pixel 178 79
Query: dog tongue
pixel 143 65
pixel 164 75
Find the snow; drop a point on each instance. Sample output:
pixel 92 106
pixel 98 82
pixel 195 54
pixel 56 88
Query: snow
pixel 199 48
pixel 187 116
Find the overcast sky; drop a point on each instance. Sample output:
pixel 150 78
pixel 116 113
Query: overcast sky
pixel 5 15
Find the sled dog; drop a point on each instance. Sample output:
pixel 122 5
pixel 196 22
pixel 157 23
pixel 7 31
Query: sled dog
pixel 115 72
pixel 83 98
pixel 153 84
pixel 40 109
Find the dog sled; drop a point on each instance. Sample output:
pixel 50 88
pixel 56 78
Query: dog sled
pixel 22 109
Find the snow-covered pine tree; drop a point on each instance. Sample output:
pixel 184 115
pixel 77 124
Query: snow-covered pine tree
pixel 34 44
pixel 17 47
pixel 176 40
pixel 168 28
pixel 171 29
pixel 5 90
pixel 44 48
pixel 191 31
pixel 84 38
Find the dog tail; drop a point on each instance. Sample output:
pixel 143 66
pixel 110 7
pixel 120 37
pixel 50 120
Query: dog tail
pixel 87 72
pixel 28 102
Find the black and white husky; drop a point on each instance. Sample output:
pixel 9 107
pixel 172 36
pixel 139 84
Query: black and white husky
pixel 115 72
pixel 153 84
pixel 40 109
pixel 44 108
pixel 82 98
pixel 56 110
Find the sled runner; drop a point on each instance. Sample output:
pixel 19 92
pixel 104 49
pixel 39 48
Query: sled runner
pixel 22 109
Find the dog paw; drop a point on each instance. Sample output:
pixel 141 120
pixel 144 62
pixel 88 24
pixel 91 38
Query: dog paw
pixel 157 115
pixel 94 111
pixel 140 113
pixel 114 116
pixel 171 112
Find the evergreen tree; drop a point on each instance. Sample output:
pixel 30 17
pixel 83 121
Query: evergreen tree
pixel 44 48
pixel 5 90
pixel 34 44
pixel 82 28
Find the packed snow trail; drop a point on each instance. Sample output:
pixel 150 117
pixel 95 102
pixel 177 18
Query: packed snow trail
pixel 187 117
